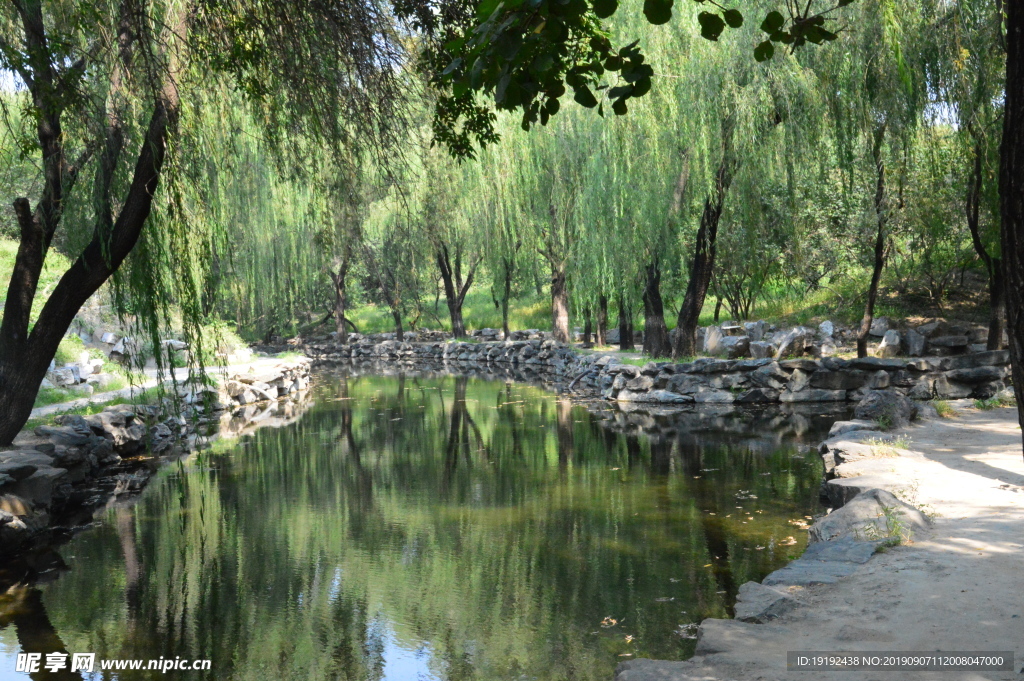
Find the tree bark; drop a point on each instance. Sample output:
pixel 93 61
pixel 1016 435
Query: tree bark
pixel 341 300
pixel 656 341
pixel 559 305
pixel 25 357
pixel 881 213
pixel 507 296
pixel 625 326
pixel 1011 195
pixel 602 318
pixel 588 328
pixel 455 289
pixel 994 267
pixel 703 265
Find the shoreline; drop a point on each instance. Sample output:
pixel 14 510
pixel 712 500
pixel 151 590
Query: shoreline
pixel 952 587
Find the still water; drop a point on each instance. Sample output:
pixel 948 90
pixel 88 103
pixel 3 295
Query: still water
pixel 431 528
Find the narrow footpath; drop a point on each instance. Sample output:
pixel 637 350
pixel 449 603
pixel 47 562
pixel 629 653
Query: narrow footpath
pixel 956 587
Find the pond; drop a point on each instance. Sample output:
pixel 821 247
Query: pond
pixel 426 527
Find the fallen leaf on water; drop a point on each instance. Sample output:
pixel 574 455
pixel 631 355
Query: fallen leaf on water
pixel 665 599
pixel 674 580
pixel 629 638
pixel 788 541
pixel 609 622
pixel 708 565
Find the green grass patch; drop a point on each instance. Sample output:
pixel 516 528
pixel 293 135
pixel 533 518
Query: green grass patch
pixel 944 409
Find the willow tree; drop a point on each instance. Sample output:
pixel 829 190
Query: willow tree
pixel 965 65
pixel 116 90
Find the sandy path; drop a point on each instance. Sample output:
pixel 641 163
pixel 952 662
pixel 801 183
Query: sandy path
pixel 957 587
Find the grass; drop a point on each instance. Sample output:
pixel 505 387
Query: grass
pixel 641 361
pixel 147 396
pixel 288 354
pixel 995 402
pixel 944 409
pixel 53 268
pixel 888 448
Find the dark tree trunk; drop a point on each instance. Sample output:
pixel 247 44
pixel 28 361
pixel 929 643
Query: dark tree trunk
pixel 996 296
pixel 881 213
pixel 625 327
pixel 340 301
pixel 588 328
pixel 718 310
pixel 703 263
pixel 602 318
pixel 455 289
pixel 559 305
pixel 25 356
pixel 507 295
pixel 656 341
pixel 396 314
pixel 1011 195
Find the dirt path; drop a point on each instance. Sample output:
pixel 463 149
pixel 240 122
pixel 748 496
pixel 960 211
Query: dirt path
pixel 958 587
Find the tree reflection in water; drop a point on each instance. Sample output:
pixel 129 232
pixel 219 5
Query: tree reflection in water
pixel 448 527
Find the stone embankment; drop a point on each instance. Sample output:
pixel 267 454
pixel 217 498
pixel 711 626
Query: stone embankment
pixel 705 380
pixel 81 461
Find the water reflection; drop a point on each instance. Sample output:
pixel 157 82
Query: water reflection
pixel 439 528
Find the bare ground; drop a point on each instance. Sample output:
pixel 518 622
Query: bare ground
pixel 957 587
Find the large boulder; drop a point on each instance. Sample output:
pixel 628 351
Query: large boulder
pixel 793 342
pixel 890 345
pixel 736 346
pixel 872 515
pixel 879 325
pixel 915 343
pixel 888 409
pixel 826 329
pixel 713 341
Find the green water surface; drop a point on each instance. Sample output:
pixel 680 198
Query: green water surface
pixel 432 528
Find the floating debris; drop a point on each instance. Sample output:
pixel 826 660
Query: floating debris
pixel 609 622
pixel 665 599
pixel 687 630
pixel 788 541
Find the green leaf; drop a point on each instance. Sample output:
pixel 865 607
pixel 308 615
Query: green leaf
pixel 764 51
pixel 605 8
pixel 658 11
pixel 619 107
pixel 733 17
pixel 641 87
pixel 620 92
pixel 711 25
pixel 772 22
pixel 584 97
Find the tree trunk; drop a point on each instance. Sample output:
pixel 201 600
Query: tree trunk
pixel 396 314
pixel 340 301
pixel 703 263
pixel 25 356
pixel 559 305
pixel 1011 195
pixel 602 318
pixel 996 296
pixel 505 298
pixel 625 327
pixel 656 341
pixel 588 328
pixel 454 288
pixel 882 216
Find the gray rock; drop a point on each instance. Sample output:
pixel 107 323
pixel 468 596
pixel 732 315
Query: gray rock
pixel 813 395
pixel 982 374
pixel 798 380
pixel 713 344
pixel 841 427
pixel 736 346
pixel 992 357
pixel 890 345
pixel 793 342
pixel 915 343
pixel 17 470
pixel 643 669
pixel 878 380
pixel 837 380
pixel 887 408
pixel 640 383
pixel 761 349
pixel 755 330
pixel 660 396
pixel 945 389
pixel 879 325
pixel 876 363
pixel 872 515
pixel 710 396
pixel 826 329
pixel 759 603
pixel 757 395
pixel 949 341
